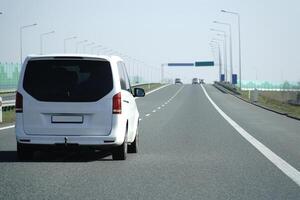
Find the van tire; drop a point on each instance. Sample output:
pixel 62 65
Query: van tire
pixel 24 153
pixel 120 152
pixel 134 146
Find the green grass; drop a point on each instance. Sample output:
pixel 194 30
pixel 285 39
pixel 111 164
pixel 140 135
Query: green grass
pixel 8 116
pixel 280 106
pixel 275 104
pixel 245 94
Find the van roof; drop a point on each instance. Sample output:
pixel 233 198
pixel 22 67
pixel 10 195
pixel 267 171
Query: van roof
pixel 106 57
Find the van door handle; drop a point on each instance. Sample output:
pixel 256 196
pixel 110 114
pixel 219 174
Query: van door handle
pixel 125 101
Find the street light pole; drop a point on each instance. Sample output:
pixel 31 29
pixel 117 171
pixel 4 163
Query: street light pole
pixel 21 29
pixel 215 55
pixel 219 57
pixel 65 41
pixel 225 56
pixel 129 65
pixel 100 51
pixel 240 50
pixel 225 50
pixel 78 43
pixel 162 72
pixel 41 40
pixel 89 44
pixel 230 46
pixel 95 47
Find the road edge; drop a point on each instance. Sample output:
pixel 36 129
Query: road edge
pixel 280 163
pixel 258 105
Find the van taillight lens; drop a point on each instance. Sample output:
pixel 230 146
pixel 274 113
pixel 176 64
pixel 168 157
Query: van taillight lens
pixel 19 103
pixel 117 104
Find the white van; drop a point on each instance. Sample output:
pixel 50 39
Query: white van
pixel 72 101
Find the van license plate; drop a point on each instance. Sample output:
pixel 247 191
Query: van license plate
pixel 66 119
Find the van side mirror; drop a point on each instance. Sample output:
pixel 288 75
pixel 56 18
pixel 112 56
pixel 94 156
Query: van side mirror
pixel 138 92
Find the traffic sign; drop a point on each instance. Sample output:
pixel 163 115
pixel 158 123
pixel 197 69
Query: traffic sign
pixel 222 77
pixel 234 79
pixel 180 64
pixel 204 63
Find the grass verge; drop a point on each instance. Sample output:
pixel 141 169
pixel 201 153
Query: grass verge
pixel 8 116
pixel 276 105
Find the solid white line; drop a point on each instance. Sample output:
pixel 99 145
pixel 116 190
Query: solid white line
pixel 157 89
pixel 7 127
pixel 147 115
pixel 284 166
pixel 154 90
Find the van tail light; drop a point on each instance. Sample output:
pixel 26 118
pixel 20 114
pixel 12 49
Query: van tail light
pixel 19 103
pixel 117 105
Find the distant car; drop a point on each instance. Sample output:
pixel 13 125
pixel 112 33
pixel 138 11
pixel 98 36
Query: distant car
pixel 76 101
pixel 195 81
pixel 178 81
pixel 201 81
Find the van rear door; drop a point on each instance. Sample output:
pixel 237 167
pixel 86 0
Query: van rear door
pixel 67 96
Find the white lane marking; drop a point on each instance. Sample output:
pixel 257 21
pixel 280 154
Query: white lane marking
pixel 163 105
pixel 140 119
pixel 284 166
pixel 7 127
pixel 147 115
pixel 158 89
pixel 176 93
pixel 155 90
pixel 158 108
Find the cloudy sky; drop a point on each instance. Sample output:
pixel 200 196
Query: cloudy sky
pixel 160 31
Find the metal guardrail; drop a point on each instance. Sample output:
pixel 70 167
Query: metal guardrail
pixel 228 86
pixel 10 103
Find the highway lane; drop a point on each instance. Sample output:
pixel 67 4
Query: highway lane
pixel 188 151
pixel 278 132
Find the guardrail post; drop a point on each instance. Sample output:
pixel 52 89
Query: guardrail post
pixel 1 103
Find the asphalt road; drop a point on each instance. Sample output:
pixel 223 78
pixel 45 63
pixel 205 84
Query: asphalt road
pixel 187 151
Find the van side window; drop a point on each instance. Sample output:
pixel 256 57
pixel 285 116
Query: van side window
pixel 122 76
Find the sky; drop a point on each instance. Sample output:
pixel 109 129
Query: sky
pixel 157 32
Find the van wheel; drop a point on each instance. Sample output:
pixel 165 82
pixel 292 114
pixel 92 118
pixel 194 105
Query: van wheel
pixel 134 146
pixel 24 153
pixel 120 152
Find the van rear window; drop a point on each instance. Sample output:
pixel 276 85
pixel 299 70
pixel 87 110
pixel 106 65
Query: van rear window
pixel 67 80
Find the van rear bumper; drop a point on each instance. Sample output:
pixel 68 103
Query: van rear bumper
pixel 65 147
pixel 115 138
pixel 68 140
